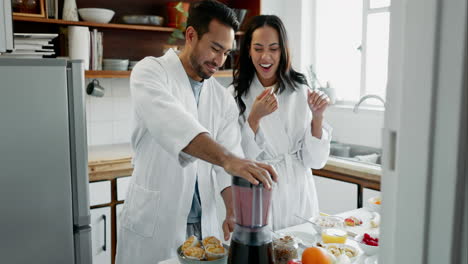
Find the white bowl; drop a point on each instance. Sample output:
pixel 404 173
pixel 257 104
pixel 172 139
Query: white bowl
pixel 368 250
pixel 324 222
pixel 372 205
pixel 357 252
pixel 98 15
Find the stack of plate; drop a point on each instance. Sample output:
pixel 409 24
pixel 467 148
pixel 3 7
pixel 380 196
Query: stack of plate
pixel 115 64
pixel 131 65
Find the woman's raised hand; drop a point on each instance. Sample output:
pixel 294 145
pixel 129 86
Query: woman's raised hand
pixel 265 104
pixel 318 101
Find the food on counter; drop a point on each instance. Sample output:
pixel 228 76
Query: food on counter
pixel 295 261
pixel 340 249
pixel 194 253
pixel 369 240
pixel 378 200
pixel 316 255
pixel 375 221
pixel 285 249
pixel 209 249
pixel 191 242
pixel 328 221
pixel 211 240
pixel 353 221
pixel 214 252
pixel 334 235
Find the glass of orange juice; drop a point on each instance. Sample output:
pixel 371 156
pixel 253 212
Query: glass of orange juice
pixel 334 235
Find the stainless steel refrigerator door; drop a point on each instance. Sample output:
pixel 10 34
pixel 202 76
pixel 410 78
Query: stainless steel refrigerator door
pixel 35 191
pixel 79 162
pixel 6 26
pixel 78 144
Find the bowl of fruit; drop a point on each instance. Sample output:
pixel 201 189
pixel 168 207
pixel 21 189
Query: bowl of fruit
pixel 375 203
pixel 369 243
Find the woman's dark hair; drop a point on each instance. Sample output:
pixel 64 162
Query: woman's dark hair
pixel 202 12
pixel 245 70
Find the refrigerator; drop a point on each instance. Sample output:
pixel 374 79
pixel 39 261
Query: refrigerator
pixel 44 201
pixel 6 26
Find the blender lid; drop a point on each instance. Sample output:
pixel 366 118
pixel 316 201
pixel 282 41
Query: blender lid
pixel 238 181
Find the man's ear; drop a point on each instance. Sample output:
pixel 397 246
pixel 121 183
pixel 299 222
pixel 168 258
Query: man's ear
pixel 191 35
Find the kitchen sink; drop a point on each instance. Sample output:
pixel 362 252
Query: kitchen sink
pixel 357 153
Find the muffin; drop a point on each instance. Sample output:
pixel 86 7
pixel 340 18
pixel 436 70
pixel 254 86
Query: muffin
pixel 194 253
pixel 191 242
pixel 211 240
pixel 214 252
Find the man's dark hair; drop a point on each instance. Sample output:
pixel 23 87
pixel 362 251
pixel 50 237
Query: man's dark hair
pixel 202 12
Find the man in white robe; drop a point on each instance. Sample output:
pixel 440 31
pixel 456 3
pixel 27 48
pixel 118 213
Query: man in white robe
pixel 186 142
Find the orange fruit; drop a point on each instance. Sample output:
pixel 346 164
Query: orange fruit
pixel 315 255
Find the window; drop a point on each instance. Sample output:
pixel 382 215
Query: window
pixel 351 46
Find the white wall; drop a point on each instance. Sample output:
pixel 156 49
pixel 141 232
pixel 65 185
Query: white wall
pixel 362 128
pixel 109 117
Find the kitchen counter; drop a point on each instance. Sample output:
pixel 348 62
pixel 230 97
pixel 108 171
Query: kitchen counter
pixel 108 162
pixel 309 236
pixel 111 161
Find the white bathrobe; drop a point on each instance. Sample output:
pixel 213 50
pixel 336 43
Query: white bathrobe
pixel 284 140
pixel 154 217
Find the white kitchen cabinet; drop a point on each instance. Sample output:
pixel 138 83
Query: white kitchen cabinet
pixel 335 196
pixel 101 235
pixel 122 187
pixel 99 193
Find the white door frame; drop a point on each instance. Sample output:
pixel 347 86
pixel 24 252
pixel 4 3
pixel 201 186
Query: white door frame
pixel 425 133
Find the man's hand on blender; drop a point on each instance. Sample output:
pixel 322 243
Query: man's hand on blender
pixel 252 171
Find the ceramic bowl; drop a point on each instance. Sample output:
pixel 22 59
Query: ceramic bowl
pixel 368 250
pixel 98 15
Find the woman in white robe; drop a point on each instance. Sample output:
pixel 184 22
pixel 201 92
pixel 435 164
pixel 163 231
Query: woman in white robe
pixel 281 119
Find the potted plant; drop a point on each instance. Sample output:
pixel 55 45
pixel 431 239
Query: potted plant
pixel 177 17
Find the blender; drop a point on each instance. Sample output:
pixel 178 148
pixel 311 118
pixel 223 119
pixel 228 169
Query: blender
pixel 251 240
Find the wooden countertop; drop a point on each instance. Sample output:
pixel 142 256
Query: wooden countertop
pixel 107 162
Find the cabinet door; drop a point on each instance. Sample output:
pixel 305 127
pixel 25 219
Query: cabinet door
pixel 100 230
pixel 335 196
pixel 99 193
pixel 122 187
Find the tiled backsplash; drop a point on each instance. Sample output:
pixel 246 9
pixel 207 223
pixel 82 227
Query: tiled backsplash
pixel 109 117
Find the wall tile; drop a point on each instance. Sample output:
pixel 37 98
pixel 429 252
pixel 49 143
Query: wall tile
pixel 101 133
pixel 120 87
pixel 122 131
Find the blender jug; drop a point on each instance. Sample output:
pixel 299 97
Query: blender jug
pixel 251 241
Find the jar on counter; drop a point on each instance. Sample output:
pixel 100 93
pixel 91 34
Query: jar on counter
pixel 285 249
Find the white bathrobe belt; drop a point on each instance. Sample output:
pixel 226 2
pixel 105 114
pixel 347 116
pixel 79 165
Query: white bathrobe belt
pixel 287 158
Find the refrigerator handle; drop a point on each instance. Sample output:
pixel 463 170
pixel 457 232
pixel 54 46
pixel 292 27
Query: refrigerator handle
pixel 104 247
pixel 390 136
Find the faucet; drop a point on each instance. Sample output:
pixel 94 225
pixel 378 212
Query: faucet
pixel 365 97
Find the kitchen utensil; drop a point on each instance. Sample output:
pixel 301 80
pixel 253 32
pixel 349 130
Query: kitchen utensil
pixel 251 241
pixel 95 89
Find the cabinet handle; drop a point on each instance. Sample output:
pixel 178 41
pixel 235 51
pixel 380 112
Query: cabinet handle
pixel 104 247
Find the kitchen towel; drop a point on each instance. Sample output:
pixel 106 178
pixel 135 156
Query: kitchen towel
pixel 79 44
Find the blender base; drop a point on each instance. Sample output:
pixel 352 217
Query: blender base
pixel 244 254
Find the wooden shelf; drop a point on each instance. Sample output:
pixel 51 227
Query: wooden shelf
pixel 97 25
pixel 92 24
pixel 126 74
pixel 107 74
